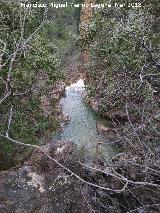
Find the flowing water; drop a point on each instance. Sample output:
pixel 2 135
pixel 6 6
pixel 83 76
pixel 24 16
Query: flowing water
pixel 82 126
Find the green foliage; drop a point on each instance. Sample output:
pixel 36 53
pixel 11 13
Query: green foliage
pixel 33 76
pixel 118 58
pixel 63 31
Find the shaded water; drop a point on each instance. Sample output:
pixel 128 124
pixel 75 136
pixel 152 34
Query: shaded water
pixel 82 127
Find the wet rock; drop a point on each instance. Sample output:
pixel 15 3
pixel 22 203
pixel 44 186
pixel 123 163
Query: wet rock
pixel 108 132
pixel 93 103
pixel 66 118
pixel 57 91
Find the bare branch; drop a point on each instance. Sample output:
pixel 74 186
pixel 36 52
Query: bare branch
pixel 144 207
pixel 63 167
pixel 150 54
pixel 5 97
pixel 2 52
pixel 120 177
pixel 9 122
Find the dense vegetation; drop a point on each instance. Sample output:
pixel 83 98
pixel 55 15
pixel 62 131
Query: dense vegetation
pixel 123 83
pixel 32 41
pixel 124 51
pixel 122 76
pixel 123 70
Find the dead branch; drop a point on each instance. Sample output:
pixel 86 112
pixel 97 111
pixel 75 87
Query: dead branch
pixel 3 51
pixel 9 121
pixel 144 207
pixel 63 167
pixel 6 136
pixel 150 54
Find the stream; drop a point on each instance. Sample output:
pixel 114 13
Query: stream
pixel 82 126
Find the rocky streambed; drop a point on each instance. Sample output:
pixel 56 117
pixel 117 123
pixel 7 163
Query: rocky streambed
pixel 81 123
pixel 41 185
pixel 60 179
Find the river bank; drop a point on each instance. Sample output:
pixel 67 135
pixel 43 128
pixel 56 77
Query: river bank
pixel 58 177
pixel 81 127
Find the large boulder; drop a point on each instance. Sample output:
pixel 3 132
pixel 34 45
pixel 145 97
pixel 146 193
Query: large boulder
pixel 41 186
